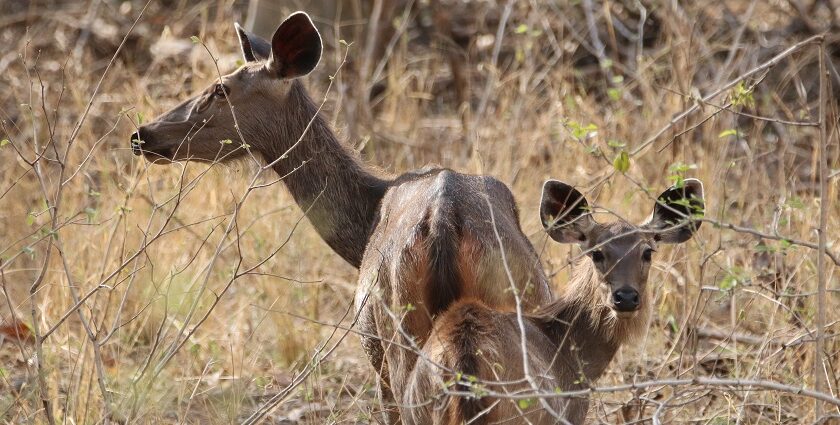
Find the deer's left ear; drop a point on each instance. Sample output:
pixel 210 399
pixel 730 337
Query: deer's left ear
pixel 675 213
pixel 254 47
pixel 295 47
pixel 565 213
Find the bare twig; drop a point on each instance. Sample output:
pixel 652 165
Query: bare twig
pixel 819 372
pixel 766 65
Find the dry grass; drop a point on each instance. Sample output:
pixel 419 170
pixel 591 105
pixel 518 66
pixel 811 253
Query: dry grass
pixel 543 108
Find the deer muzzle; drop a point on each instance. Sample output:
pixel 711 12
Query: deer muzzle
pixel 626 299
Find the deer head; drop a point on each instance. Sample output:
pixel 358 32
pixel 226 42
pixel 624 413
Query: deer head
pixel 251 103
pixel 621 252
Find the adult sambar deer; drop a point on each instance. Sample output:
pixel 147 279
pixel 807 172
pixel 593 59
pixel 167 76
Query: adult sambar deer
pixel 423 239
pixel 472 368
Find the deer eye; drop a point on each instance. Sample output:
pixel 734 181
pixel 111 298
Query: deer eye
pixel 597 256
pixel 220 90
pixel 647 254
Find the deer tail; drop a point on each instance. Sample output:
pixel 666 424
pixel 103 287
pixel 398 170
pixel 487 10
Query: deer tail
pixel 444 281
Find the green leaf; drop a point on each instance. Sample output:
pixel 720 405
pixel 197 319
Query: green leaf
pixel 622 162
pixel 521 29
pixel 524 403
pixel 4 142
pixel 727 133
pixel 195 39
pixel 785 244
pixel 795 203
pixel 616 144
pixel 672 323
pixel 679 167
pixel 580 131
pixel 261 381
pixel 226 141
pixel 733 278
pixel 91 213
pixel 741 95
pixel 30 219
pixel 140 118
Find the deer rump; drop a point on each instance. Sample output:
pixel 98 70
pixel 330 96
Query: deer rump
pixel 434 245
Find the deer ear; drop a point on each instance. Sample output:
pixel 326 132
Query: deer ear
pixel 295 47
pixel 676 210
pixel 564 212
pixel 254 47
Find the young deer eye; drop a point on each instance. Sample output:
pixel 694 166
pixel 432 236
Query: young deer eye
pixel 647 254
pixel 220 90
pixel 597 256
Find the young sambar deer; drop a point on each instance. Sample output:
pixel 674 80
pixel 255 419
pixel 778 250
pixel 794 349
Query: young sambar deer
pixel 422 239
pixel 474 357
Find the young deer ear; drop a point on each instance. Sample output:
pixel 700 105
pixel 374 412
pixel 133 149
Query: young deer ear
pixel 254 47
pixel 564 212
pixel 295 47
pixel 675 212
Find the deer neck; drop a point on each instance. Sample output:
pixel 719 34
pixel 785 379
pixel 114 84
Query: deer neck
pixel 582 324
pixel 327 179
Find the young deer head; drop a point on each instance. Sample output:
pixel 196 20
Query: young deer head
pixel 255 102
pixel 621 252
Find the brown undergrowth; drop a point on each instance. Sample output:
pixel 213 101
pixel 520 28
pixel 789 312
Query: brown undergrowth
pixel 123 293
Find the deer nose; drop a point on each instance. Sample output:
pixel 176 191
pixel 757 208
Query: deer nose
pixel 626 299
pixel 136 143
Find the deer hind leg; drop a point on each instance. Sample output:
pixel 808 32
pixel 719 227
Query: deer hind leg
pixel 375 352
pixel 389 411
pixel 387 403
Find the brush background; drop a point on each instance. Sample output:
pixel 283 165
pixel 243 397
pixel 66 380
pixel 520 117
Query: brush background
pixel 556 102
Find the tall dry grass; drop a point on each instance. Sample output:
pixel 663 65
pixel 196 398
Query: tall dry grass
pixel 128 268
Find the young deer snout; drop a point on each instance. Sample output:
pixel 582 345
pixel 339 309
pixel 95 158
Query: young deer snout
pixel 626 299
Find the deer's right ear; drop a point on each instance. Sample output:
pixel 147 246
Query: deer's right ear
pixel 254 47
pixel 295 47
pixel 676 212
pixel 564 212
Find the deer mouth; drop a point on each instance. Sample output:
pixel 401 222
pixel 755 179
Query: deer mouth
pixel 625 314
pixel 141 146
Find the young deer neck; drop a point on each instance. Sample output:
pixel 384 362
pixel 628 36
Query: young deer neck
pixel 327 179
pixel 580 318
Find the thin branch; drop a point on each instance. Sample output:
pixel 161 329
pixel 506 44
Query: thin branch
pixel 819 372
pixel 740 229
pixel 766 65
